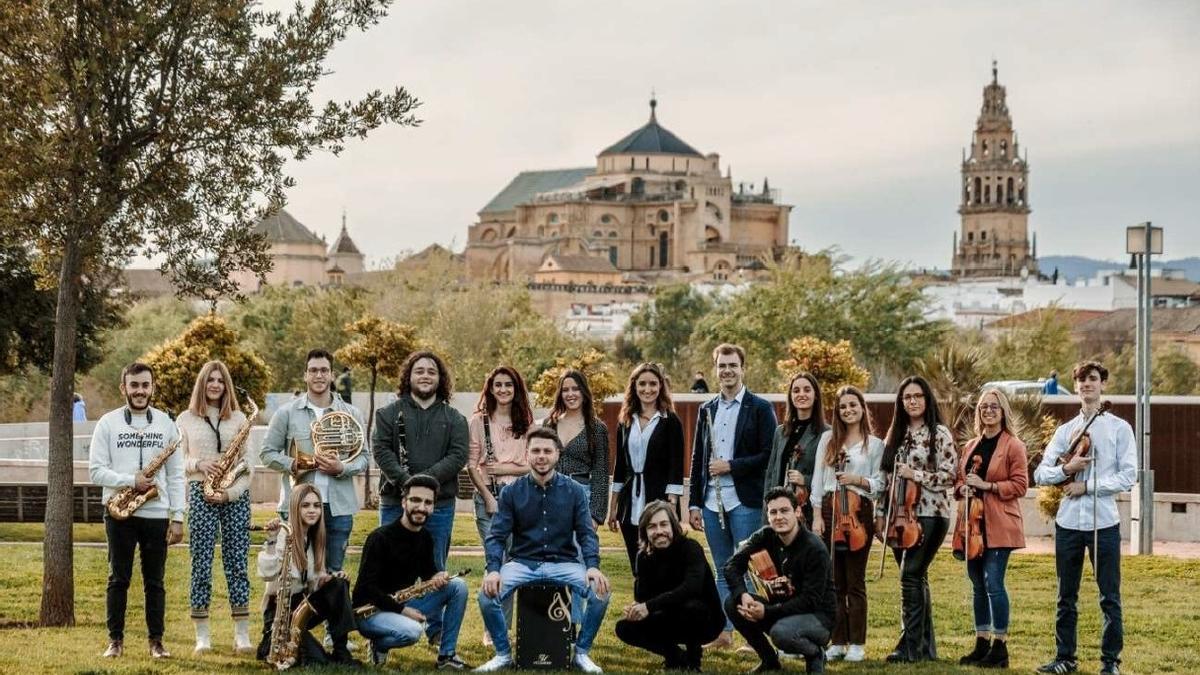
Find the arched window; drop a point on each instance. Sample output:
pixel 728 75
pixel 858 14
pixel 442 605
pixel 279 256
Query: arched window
pixel 553 218
pixel 612 255
pixel 637 186
pixel 488 235
pixel 978 190
pixel 1021 198
pixel 983 236
pixel 1010 190
pixel 987 194
pixel 999 194
pixel 597 234
pixel 1003 148
pixel 663 241
pixel 985 149
pixel 612 234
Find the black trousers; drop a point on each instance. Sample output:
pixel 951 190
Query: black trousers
pixel 917 642
pixel 692 625
pixel 629 534
pixel 332 604
pixel 804 634
pixel 150 536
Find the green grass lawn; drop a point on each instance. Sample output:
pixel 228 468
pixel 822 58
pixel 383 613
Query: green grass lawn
pixel 1161 602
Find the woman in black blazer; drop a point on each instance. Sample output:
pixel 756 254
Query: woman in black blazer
pixel 649 463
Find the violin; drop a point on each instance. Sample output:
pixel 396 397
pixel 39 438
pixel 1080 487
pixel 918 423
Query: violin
pixel 1081 445
pixel 968 529
pixel 848 532
pixel 902 530
pixel 768 582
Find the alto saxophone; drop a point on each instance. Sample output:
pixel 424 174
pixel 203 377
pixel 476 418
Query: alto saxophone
pixel 417 590
pixel 127 500
pixel 232 463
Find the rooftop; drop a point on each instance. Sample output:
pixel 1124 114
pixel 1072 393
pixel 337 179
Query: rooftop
pixel 280 227
pixel 651 139
pixel 527 184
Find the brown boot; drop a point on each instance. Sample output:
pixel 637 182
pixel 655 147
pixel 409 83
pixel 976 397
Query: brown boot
pixel 115 649
pixel 158 651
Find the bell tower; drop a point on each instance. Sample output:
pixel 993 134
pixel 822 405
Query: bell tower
pixel 994 237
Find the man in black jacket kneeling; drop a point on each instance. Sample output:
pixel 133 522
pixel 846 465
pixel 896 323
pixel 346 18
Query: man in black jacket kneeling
pixel 793 600
pixel 676 601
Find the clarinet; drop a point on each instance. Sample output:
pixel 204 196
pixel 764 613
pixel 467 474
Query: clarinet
pixel 712 451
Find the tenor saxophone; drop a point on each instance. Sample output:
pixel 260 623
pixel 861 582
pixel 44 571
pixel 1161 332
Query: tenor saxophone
pixel 232 463
pixel 283 652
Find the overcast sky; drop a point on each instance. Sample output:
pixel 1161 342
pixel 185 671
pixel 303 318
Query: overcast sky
pixel 857 112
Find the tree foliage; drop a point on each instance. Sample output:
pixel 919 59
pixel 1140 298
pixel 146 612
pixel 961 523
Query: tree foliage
pixel 380 348
pixel 812 295
pixel 176 363
pixel 1032 351
pixel 27 323
pixel 601 375
pixel 661 329
pixel 282 324
pixel 1172 371
pixel 832 363
pixel 162 128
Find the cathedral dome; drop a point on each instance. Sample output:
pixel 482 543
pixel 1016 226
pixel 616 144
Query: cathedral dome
pixel 651 139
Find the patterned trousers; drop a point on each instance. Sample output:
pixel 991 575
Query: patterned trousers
pixel 232 522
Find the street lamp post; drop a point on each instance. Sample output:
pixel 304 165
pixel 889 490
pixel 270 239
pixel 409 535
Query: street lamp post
pixel 1143 241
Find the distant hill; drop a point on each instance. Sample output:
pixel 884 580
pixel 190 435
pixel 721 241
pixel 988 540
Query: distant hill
pixel 1077 267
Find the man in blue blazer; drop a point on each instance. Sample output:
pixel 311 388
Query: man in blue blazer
pixel 727 471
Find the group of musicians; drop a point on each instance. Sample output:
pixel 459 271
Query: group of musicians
pixel 791 508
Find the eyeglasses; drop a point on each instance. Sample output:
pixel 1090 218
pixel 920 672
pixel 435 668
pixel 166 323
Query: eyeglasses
pixel 909 398
pixel 989 407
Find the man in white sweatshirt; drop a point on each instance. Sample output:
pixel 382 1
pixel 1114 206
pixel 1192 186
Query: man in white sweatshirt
pixel 124 443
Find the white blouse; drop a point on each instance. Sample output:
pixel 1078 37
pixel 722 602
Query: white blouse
pixel 863 459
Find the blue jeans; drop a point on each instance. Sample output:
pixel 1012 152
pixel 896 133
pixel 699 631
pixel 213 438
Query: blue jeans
pixel 388 630
pixel 990 596
pixel 440 525
pixel 513 575
pixel 1069 546
pixel 337 535
pixel 740 523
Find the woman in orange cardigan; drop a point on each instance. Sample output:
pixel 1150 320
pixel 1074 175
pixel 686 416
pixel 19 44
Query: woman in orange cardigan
pixel 1001 481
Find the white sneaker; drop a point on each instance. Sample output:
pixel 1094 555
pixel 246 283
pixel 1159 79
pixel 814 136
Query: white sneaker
pixel 586 664
pixel 835 652
pixel 856 653
pixel 375 657
pixel 203 638
pixel 497 662
pixel 350 644
pixel 241 637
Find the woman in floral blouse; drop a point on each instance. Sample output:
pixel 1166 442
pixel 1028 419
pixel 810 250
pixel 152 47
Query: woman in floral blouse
pixel 921 449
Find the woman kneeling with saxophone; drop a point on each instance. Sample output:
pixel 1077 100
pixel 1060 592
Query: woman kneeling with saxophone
pixel 301 593
pixel 213 433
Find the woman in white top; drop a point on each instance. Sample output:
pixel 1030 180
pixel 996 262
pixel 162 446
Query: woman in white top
pixel 649 463
pixel 329 594
pixel 206 428
pixel 848 459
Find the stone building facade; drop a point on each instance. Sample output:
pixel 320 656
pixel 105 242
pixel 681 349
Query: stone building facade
pixel 653 207
pixel 994 238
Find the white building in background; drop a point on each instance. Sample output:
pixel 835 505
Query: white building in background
pixel 976 303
